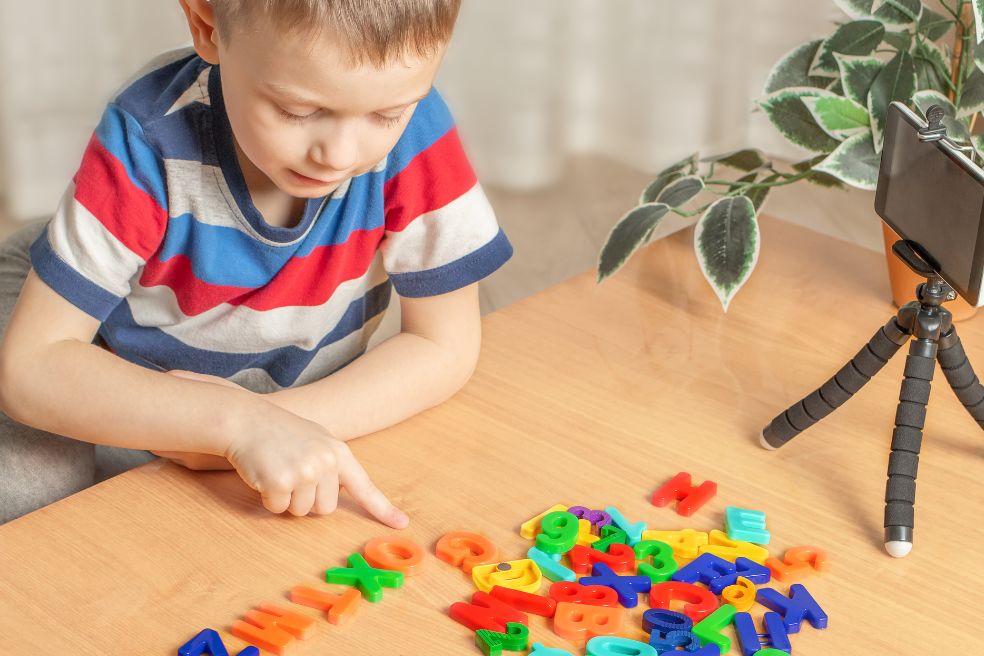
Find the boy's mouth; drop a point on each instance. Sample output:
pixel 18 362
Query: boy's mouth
pixel 311 182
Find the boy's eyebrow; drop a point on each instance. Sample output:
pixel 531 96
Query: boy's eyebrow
pixel 287 92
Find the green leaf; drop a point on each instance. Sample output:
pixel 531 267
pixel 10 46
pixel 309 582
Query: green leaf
pixel 687 164
pixel 656 187
pixel 979 55
pixel 955 129
pixel 631 231
pixel 793 70
pixel 857 74
pixel 979 19
pixel 932 25
pixel 855 9
pixel 932 66
pixel 978 142
pixel 899 40
pixel 898 12
pixel 972 94
pixel 897 81
pixel 855 38
pixel 680 191
pixel 748 159
pixel 854 162
pixel 837 86
pixel 794 121
pixel 816 177
pixel 727 245
pixel 759 194
pixel 839 117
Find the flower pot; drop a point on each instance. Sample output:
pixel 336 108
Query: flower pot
pixel 904 281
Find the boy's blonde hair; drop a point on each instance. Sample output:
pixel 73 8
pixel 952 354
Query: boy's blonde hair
pixel 378 31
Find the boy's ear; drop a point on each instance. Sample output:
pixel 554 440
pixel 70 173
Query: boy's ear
pixel 201 22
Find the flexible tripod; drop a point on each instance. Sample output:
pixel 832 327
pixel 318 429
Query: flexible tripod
pixel 934 338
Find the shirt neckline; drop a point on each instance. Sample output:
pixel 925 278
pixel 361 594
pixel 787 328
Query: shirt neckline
pixel 225 150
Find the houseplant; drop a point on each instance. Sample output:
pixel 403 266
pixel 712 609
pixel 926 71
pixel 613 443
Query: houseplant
pixel 829 96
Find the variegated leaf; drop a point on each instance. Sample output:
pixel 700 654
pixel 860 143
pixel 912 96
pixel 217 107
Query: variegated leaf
pixel 680 191
pixel 857 74
pixel 854 162
pixel 855 9
pixel 855 38
pixel 839 117
pixel 933 25
pixel 897 81
pixel 972 94
pixel 631 231
pixel 794 121
pixel 793 69
pixel 727 243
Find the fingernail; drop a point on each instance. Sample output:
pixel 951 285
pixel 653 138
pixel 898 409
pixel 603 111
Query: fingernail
pixel 400 519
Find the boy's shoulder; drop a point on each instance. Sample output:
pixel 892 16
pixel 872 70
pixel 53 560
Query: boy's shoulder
pixel 432 128
pixel 167 82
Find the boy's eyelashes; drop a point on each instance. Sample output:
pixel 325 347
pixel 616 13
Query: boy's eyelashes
pixel 388 121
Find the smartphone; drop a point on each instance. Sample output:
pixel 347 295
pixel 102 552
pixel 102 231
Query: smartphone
pixel 932 194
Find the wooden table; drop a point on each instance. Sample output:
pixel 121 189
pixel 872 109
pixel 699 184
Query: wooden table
pixel 585 394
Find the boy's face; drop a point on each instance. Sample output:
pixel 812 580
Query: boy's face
pixel 307 118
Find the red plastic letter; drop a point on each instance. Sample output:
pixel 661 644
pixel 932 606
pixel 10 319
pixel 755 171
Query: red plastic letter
pixel 679 489
pixel 701 602
pixel 486 612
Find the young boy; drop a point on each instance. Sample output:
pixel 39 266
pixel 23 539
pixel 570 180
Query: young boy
pixel 208 285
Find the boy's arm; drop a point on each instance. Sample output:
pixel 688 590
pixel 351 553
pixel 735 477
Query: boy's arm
pixel 425 364
pixel 53 378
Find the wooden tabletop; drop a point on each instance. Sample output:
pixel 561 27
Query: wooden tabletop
pixel 585 394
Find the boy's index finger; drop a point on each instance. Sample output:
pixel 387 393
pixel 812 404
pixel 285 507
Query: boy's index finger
pixel 353 477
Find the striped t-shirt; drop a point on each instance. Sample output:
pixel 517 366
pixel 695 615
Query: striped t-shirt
pixel 158 239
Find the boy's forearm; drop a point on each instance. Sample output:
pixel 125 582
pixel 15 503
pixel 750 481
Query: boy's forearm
pixel 82 391
pixel 399 378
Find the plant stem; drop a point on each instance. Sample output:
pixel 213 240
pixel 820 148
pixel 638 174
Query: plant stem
pixel 738 187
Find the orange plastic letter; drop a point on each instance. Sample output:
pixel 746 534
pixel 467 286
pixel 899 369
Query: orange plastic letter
pixel 395 553
pixel 340 608
pixel 798 561
pixel 741 595
pixel 466 550
pixel 272 628
pixel 581 622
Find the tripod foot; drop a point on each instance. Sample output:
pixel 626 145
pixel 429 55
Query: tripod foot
pixel 765 444
pixel 898 548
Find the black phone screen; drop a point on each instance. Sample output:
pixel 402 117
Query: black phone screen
pixel 929 196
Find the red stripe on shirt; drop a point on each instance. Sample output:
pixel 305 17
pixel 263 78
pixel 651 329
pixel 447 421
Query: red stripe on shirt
pixel 103 187
pixel 303 281
pixel 431 180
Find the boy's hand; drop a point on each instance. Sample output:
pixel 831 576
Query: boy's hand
pixel 296 465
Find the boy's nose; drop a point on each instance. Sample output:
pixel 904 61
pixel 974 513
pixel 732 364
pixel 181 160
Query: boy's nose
pixel 337 151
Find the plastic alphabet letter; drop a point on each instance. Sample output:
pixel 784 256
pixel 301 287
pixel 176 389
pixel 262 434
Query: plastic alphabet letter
pixel 581 622
pixel 340 608
pixel 794 609
pixel 628 587
pixel 208 641
pixel 679 489
pixel 272 628
pixel 369 580
pixel 395 553
pixel 747 525
pixel 486 612
pixel 700 602
pixel 466 550
pixel 751 641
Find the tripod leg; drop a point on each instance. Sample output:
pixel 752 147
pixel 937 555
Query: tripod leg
pixel 900 490
pixel 842 386
pixel 956 367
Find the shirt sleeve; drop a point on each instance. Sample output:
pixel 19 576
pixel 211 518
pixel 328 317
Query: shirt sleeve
pixel 441 233
pixel 110 220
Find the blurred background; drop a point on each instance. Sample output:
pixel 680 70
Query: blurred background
pixel 567 108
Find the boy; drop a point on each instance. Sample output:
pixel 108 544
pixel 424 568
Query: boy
pixel 208 285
